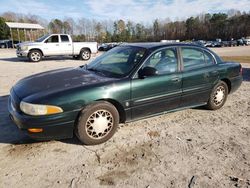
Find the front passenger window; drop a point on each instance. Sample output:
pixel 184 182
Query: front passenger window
pixel 164 61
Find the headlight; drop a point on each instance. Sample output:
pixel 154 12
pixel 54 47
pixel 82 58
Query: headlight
pixel 37 109
pixel 24 47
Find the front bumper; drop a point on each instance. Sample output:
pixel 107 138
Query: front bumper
pixel 21 53
pixel 58 126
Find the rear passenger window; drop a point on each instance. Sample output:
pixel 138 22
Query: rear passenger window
pixel 64 38
pixel 192 58
pixel 209 58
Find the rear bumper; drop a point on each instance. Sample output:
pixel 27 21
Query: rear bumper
pixel 58 126
pixel 235 83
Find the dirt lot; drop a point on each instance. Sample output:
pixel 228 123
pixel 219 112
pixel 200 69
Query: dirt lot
pixel 233 51
pixel 190 148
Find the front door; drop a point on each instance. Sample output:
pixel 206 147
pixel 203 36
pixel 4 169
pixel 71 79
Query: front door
pixel 161 92
pixel 52 46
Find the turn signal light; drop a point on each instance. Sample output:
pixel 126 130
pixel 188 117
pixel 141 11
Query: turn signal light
pixel 35 130
pixel 53 110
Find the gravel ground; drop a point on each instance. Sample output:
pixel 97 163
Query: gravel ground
pixel 233 51
pixel 189 148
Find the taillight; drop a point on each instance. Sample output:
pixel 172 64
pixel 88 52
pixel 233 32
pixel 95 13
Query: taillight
pixel 241 70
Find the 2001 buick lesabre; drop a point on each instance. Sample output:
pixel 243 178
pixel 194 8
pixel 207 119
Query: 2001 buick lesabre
pixel 129 82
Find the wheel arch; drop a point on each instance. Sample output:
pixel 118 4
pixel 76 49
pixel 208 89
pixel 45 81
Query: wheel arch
pixel 116 104
pixel 85 48
pixel 36 49
pixel 119 107
pixel 228 82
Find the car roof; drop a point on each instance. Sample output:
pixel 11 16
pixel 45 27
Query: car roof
pixel 156 45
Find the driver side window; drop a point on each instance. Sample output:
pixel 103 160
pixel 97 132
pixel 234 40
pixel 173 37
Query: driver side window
pixel 52 39
pixel 164 61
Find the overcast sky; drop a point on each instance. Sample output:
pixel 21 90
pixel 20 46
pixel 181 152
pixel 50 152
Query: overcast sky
pixel 135 10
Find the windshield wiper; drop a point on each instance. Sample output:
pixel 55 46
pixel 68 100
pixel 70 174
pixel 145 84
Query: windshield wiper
pixel 96 70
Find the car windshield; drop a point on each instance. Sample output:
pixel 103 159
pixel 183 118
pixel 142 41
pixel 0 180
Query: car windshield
pixel 117 62
pixel 42 38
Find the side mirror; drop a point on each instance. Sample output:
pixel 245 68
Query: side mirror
pixel 147 71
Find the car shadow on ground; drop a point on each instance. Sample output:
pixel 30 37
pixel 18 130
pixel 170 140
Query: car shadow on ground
pixel 74 141
pixel 10 133
pixel 13 59
pixel 246 74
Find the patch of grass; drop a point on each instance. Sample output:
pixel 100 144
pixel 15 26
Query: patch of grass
pixel 240 59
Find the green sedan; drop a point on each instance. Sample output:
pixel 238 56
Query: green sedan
pixel 127 83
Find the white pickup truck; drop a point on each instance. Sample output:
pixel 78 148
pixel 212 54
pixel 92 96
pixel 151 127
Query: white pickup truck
pixel 56 45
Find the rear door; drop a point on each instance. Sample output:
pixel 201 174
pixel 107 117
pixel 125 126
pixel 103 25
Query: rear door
pixel 66 45
pixel 161 92
pixel 199 75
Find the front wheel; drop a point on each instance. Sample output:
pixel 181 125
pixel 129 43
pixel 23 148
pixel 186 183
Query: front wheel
pixel 97 123
pixel 85 54
pixel 35 56
pixel 218 96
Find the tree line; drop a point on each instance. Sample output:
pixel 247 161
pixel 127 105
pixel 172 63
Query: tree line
pixel 233 24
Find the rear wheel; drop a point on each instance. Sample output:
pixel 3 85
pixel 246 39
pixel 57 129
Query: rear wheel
pixel 97 123
pixel 85 54
pixel 35 56
pixel 218 96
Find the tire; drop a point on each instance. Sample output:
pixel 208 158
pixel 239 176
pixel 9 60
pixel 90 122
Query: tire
pixel 97 123
pixel 35 56
pixel 218 96
pixel 85 54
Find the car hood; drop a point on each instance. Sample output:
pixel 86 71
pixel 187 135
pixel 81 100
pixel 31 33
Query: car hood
pixel 29 44
pixel 57 80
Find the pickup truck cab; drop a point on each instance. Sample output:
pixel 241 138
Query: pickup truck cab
pixel 56 45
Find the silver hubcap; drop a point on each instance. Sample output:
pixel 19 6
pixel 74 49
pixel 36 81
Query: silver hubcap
pixel 219 95
pixel 35 56
pixel 85 55
pixel 99 124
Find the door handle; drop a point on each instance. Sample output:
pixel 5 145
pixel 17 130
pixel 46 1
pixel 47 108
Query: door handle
pixel 175 79
pixel 69 44
pixel 57 44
